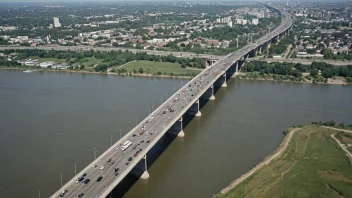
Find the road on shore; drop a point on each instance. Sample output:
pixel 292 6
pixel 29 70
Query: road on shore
pixel 133 50
pixel 341 145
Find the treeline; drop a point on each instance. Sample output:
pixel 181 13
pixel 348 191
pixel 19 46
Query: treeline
pixel 110 58
pixel 280 47
pixel 327 70
pixel 271 68
pixel 332 123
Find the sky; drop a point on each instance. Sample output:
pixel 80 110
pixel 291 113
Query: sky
pixel 66 1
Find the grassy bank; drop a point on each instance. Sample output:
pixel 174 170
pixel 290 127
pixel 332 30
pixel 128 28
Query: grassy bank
pixel 157 68
pixel 312 165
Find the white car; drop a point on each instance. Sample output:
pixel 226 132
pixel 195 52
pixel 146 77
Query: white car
pixel 117 148
pixel 101 168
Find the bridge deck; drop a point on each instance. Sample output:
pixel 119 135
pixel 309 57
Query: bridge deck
pixel 156 125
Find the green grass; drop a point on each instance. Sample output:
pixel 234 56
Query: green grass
pixel 49 59
pixel 312 166
pixel 165 68
pixel 88 62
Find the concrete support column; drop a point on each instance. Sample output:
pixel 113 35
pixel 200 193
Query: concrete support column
pixel 212 97
pixel 206 64
pixel 237 67
pixel 224 84
pixel 145 174
pixel 269 44
pixel 260 49
pixel 198 114
pixel 181 133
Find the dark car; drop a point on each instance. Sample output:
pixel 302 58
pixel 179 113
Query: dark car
pixel 127 163
pixel 80 179
pixel 80 195
pixel 84 174
pixel 142 141
pixel 130 159
pixel 86 181
pixel 99 178
pixel 140 149
pixel 116 174
pixel 148 141
pixel 63 193
pixel 109 160
pixel 116 169
pixel 134 135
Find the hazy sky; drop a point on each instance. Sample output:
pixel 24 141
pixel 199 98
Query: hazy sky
pixel 66 1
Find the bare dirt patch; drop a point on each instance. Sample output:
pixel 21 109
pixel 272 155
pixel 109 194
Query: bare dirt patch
pixel 335 176
pixel 346 140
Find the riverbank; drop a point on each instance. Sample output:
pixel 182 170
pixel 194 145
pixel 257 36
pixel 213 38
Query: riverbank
pixel 100 73
pixel 240 76
pixel 308 163
pixel 336 81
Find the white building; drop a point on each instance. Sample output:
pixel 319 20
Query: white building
pixel 46 64
pixel 57 22
pixel 238 21
pixel 244 22
pixel 255 21
pixel 229 24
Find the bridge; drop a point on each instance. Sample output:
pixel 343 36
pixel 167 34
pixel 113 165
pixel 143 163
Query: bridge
pixel 168 116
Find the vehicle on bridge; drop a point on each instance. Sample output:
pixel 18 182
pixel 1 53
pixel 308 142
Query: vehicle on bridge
pixel 126 145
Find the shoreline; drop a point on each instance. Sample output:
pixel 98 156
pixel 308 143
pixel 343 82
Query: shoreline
pixel 278 151
pixel 296 82
pixel 99 73
pixel 330 82
pixel 281 148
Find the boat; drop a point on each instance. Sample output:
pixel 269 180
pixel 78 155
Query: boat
pixel 29 71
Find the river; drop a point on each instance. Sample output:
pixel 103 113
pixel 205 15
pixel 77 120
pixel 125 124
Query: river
pixel 51 121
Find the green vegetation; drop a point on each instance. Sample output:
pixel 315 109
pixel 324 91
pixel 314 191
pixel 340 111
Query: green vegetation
pixel 313 165
pixel 280 47
pixel 156 68
pixel 293 72
pixel 97 60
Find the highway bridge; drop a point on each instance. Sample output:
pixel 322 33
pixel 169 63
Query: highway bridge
pixel 115 163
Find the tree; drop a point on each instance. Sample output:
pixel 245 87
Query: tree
pixel 327 73
pixel 141 70
pixel 314 72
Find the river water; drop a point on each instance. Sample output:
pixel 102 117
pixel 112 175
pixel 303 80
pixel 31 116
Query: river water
pixel 51 121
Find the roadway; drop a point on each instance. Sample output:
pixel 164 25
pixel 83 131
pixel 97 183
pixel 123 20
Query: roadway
pixel 154 126
pixel 133 50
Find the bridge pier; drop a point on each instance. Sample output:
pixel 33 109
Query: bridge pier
pixel 198 114
pixel 181 133
pixel 269 45
pixel 236 67
pixel 212 97
pixel 145 174
pixel 224 84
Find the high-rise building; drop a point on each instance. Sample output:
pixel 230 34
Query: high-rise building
pixel 266 13
pixel 57 22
